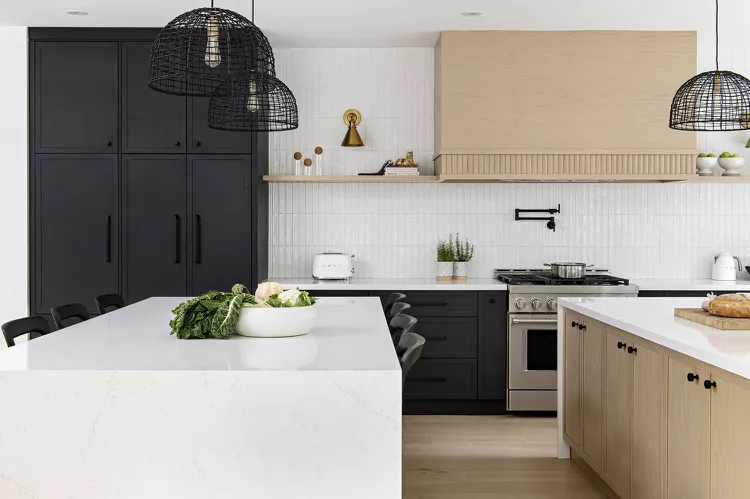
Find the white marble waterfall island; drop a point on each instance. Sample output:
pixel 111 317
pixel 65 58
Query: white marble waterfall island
pixel 117 408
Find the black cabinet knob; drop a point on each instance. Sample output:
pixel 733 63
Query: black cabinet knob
pixel 581 326
pixel 573 324
pixel 620 344
pixel 632 350
pixel 492 300
pixel 693 377
pixel 708 384
pixel 176 143
pixel 197 143
pixel 109 143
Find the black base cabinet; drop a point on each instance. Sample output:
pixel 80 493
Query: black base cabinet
pixel 130 191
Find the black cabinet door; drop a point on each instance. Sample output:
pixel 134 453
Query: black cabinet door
pixel 493 344
pixel 205 140
pixel 154 222
pixel 76 97
pixel 76 229
pixel 219 225
pixel 152 122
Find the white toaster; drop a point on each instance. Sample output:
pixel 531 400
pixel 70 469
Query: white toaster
pixel 332 266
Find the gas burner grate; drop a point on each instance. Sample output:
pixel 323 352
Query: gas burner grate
pixel 548 279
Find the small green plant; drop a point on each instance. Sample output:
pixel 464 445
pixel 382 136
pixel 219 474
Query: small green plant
pixel 445 252
pixel 464 252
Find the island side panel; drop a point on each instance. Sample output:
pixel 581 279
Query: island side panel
pixel 563 449
pixel 142 435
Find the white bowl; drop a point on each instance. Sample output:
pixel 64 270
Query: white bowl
pixel 276 322
pixel 732 166
pixel 705 164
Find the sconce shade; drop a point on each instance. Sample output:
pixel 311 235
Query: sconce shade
pixel 352 138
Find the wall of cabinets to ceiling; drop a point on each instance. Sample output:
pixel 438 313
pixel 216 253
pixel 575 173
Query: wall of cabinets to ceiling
pixel 130 191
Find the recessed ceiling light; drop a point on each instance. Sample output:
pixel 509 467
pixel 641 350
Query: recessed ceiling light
pixel 473 13
pixel 78 13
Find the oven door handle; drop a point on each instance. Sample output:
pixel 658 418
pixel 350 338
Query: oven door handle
pixel 533 321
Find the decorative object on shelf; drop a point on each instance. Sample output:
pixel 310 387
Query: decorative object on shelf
pixel 445 258
pixel 408 161
pixel 352 118
pixel 463 252
pixel 713 100
pixel 308 167
pixel 550 220
pixel 277 313
pixel 704 162
pixel 318 161
pixel 298 163
pixel 197 50
pixel 386 165
pixel 731 163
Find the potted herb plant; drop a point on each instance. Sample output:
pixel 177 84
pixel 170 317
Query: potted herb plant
pixel 464 252
pixel 445 257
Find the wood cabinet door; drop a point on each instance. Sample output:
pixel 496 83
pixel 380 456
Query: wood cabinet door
pixel 687 429
pixel 649 420
pixel 154 222
pixel 205 140
pixel 572 378
pixel 76 224
pixel 618 413
pixel 152 122
pixel 593 391
pixel 730 436
pixel 219 225
pixel 76 97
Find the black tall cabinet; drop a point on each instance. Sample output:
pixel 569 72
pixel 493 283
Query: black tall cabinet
pixel 130 191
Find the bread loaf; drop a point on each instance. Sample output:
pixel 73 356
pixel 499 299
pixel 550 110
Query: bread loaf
pixel 734 305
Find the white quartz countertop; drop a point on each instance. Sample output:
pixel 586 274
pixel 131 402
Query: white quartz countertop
pixel 741 284
pixel 653 319
pixel 308 284
pixel 350 334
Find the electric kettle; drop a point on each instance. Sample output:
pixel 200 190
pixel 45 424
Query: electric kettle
pixel 724 268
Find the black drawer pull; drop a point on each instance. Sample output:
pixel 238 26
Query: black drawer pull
pixel 428 379
pixel 436 338
pixel 430 304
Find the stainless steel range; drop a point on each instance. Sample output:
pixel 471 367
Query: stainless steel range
pixel 532 329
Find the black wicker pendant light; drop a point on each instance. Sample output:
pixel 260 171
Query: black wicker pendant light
pixel 712 101
pixel 253 101
pixel 198 50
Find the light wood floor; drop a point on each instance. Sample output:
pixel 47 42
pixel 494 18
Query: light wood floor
pixel 488 457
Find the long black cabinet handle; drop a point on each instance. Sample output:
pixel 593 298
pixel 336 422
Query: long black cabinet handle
pixel 428 379
pixel 197 239
pixel 430 304
pixel 176 238
pixel 108 240
pixel 436 338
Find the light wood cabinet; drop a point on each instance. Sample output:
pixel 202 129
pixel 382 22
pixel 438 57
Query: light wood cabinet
pixel 592 391
pixel 573 370
pixel 618 414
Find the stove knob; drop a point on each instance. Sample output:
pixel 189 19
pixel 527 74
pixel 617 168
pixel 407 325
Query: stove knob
pixel 520 303
pixel 536 303
pixel 552 304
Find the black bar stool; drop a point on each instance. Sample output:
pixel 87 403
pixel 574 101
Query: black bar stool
pixel 113 301
pixel 35 327
pixel 392 300
pixel 400 325
pixel 70 311
pixel 412 345
pixel 396 309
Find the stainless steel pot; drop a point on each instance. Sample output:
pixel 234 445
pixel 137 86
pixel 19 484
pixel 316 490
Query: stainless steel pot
pixel 568 270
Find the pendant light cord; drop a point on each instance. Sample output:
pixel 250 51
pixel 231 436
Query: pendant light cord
pixel 252 17
pixel 717 35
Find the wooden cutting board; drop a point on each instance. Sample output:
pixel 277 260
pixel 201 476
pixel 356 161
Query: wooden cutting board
pixel 701 316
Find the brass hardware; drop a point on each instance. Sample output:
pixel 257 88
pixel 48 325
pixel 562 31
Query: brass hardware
pixel 352 118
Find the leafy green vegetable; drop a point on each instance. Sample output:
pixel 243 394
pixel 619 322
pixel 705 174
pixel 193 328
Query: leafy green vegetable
pixel 213 314
pixel 274 301
pixel 277 300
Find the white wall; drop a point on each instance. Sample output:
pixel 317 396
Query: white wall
pixel 14 203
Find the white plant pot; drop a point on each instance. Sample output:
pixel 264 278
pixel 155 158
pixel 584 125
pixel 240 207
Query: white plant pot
pixel 444 271
pixel 460 271
pixel 276 322
pixel 732 166
pixel 704 165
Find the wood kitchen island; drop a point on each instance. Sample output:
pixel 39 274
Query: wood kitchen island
pixel 115 407
pixel 653 405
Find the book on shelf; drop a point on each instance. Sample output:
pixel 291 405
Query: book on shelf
pixel 401 170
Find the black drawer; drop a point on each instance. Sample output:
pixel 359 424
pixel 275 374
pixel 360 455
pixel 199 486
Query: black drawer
pixel 336 293
pixel 448 338
pixel 437 303
pixel 442 379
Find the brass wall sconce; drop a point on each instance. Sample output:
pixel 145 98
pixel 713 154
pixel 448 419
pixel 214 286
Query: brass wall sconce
pixel 352 118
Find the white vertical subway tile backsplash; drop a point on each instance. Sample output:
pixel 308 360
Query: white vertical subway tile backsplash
pixel 635 230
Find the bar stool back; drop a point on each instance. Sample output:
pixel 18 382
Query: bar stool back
pixel 70 311
pixel 35 327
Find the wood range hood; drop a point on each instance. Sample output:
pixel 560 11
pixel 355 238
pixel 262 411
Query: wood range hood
pixel 557 105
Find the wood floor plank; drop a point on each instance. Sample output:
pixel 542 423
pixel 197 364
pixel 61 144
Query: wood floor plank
pixel 483 457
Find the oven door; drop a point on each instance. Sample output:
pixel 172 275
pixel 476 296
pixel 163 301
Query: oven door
pixel 532 352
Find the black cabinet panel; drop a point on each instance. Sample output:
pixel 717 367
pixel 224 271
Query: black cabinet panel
pixel 437 303
pixel 442 379
pixel 448 338
pixel 205 140
pixel 493 344
pixel 336 294
pixel 219 224
pixel 76 97
pixel 76 229
pixel 152 122
pixel 154 226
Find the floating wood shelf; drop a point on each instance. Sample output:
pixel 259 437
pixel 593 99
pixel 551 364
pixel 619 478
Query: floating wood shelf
pixel 518 178
pixel 350 178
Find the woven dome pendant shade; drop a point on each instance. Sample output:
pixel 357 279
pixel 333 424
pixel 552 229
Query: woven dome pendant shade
pixel 712 101
pixel 198 50
pixel 252 101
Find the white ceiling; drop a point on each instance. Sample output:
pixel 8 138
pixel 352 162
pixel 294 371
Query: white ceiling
pixel 372 23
